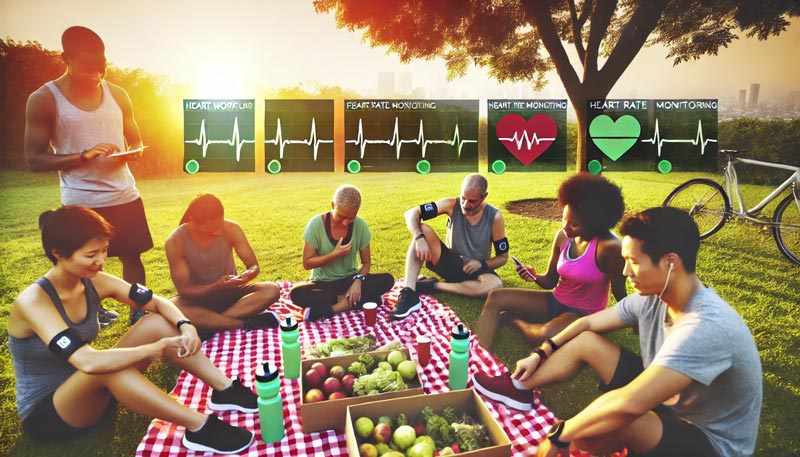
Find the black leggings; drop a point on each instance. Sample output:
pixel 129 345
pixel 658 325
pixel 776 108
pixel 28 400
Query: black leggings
pixel 326 293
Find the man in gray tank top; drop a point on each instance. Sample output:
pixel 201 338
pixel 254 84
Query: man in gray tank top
pixel 75 124
pixel 465 259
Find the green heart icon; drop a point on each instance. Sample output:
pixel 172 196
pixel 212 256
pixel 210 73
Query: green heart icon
pixel 614 139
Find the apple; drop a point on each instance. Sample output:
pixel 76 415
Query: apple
pixel 419 428
pixel 314 396
pixel 404 437
pixel 337 395
pixel 407 369
pixel 347 383
pixel 395 357
pixel 331 385
pixel 367 450
pixel 420 450
pixel 337 371
pixel 382 433
pixel 364 426
pixel 321 369
pixel 385 420
pixel 313 378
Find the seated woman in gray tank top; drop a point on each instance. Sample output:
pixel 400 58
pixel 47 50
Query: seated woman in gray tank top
pixel 64 385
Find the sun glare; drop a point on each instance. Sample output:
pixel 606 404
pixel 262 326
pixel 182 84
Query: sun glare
pixel 221 81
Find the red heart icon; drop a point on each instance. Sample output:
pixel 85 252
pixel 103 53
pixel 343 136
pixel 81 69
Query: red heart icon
pixel 526 140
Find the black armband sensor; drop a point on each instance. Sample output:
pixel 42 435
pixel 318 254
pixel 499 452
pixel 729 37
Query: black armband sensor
pixel 501 246
pixel 428 211
pixel 140 294
pixel 65 343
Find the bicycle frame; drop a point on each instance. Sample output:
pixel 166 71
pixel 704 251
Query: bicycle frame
pixel 732 184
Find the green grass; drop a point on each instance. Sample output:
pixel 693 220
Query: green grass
pixel 741 262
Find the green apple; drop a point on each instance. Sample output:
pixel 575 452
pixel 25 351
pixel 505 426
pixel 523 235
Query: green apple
pixel 364 426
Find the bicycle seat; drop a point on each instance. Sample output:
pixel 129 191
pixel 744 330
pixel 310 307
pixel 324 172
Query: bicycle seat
pixel 730 151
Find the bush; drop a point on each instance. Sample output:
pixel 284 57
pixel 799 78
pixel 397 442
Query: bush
pixel 771 141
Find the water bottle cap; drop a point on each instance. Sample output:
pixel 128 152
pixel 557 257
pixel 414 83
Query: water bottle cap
pixel 289 324
pixel 460 332
pixel 266 372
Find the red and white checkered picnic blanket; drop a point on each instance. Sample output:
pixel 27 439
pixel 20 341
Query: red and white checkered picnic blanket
pixel 237 353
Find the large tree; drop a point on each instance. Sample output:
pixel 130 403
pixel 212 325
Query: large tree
pixel 521 40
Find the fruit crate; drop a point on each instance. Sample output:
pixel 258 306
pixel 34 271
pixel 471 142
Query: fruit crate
pixel 331 414
pixel 466 401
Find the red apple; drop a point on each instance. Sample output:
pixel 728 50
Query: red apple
pixel 382 433
pixel 321 369
pixel 337 395
pixel 337 371
pixel 331 385
pixel 347 383
pixel 419 427
pixel 314 396
pixel 313 378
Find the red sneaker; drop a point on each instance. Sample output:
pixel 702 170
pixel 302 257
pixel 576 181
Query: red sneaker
pixel 500 388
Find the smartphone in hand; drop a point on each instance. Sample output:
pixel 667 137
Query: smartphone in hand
pixel 519 264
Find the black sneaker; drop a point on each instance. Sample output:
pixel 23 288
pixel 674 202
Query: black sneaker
pixel 136 315
pixel 235 398
pixel 315 313
pixel 106 317
pixel 218 437
pixel 426 285
pixel 407 303
pixel 264 320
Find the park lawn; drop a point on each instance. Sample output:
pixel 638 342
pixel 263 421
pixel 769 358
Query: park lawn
pixel 741 263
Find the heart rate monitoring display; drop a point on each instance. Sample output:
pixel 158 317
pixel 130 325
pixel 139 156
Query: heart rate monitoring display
pixel 218 135
pixel 411 135
pixel 662 135
pixel 298 135
pixel 527 135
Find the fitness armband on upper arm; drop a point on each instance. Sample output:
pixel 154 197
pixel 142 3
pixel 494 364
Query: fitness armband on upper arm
pixel 501 246
pixel 428 211
pixel 140 294
pixel 65 343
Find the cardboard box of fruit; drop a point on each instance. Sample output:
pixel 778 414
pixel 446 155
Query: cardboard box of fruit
pixel 372 429
pixel 327 387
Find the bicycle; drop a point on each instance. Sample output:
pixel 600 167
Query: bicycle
pixel 708 203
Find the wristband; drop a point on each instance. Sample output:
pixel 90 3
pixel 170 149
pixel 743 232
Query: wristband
pixel 552 344
pixel 181 322
pixel 419 237
pixel 542 354
pixel 555 433
pixel 359 276
pixel 485 265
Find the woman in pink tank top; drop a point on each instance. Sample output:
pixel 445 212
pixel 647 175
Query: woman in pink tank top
pixel 585 263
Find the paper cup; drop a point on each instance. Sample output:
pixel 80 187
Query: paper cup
pixel 370 313
pixel 423 350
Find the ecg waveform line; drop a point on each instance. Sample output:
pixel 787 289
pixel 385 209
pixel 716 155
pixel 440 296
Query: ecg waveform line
pixel 398 142
pixel 202 139
pixel 312 139
pixel 529 142
pixel 698 139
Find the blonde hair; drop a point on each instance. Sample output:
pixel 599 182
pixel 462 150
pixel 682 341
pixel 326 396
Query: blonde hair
pixel 347 196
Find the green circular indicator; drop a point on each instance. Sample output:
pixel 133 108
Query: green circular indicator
pixel 498 167
pixel 423 167
pixel 665 166
pixel 354 166
pixel 192 167
pixel 274 166
pixel 594 167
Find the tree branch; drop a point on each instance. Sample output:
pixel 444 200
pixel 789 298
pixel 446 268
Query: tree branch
pixel 541 19
pixel 601 17
pixel 577 25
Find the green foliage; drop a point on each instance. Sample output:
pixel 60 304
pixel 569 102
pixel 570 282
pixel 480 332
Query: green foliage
pixel 771 141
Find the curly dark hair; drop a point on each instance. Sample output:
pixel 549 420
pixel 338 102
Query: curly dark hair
pixel 596 200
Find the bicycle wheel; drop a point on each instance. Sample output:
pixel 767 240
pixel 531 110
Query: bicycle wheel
pixel 787 227
pixel 705 201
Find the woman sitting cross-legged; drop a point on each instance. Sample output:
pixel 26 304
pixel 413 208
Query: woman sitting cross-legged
pixel 584 263
pixel 64 385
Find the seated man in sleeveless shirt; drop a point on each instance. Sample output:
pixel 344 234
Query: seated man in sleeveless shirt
pixel 465 259
pixel 210 292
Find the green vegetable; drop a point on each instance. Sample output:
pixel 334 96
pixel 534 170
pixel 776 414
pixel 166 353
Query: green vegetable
pixel 450 415
pixel 343 346
pixel 380 381
pixel 367 360
pixel 437 428
pixel 471 437
pixel 357 368
pixel 402 419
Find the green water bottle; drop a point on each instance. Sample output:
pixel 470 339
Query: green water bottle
pixel 290 348
pixel 459 357
pixel 270 405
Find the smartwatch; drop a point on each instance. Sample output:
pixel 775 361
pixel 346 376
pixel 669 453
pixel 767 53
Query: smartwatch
pixel 554 434
pixel 181 322
pixel 359 276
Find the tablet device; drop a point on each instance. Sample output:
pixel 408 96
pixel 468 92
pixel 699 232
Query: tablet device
pixel 130 151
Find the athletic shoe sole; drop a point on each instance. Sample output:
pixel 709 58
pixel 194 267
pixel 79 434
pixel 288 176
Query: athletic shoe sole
pixel 192 446
pixel 511 403
pixel 230 407
pixel 409 311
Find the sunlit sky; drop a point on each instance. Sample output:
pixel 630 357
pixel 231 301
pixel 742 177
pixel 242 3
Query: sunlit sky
pixel 234 48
